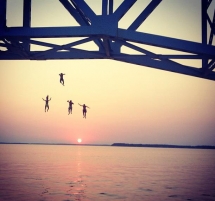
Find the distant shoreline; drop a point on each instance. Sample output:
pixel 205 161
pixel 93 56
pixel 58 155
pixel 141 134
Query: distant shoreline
pixel 163 146
pixel 121 145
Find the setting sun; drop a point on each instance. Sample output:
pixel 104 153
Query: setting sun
pixel 79 140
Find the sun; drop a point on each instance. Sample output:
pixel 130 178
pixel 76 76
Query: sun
pixel 79 140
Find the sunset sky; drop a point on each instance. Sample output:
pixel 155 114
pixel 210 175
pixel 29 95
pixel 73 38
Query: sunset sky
pixel 128 103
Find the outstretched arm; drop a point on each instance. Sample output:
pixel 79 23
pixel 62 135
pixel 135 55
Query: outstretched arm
pixel 43 99
pixel 87 107
pixel 80 104
pixel 50 99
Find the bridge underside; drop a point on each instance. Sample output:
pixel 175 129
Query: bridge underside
pixel 16 43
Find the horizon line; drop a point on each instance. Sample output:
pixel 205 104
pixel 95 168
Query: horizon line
pixel 121 144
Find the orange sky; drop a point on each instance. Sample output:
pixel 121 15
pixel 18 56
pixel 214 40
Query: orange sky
pixel 128 103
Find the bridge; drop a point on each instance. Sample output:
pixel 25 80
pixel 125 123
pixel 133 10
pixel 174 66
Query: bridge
pixel 16 43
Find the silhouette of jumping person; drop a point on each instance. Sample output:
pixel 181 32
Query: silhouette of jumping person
pixel 70 107
pixel 47 102
pixel 84 110
pixel 61 78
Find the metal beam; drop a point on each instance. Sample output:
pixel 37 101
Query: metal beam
pixel 110 7
pixel 27 21
pixel 27 13
pixel 162 65
pixel 50 32
pixel 209 3
pixel 123 8
pixel 107 47
pixel 204 29
pixel 146 12
pixel 166 42
pixel 85 9
pixel 212 30
pixel 133 36
pixel 62 47
pixel 3 5
pixel 72 54
pixel 73 12
pixel 79 18
pixel 104 7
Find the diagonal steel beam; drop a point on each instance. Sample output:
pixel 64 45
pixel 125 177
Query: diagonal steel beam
pixel 71 54
pixel 79 18
pixel 63 47
pixel 16 47
pixel 123 8
pixel 209 2
pixel 85 9
pixel 166 42
pixel 212 30
pixel 76 15
pixel 44 44
pixel 211 65
pixel 148 53
pixel 162 65
pixel 146 12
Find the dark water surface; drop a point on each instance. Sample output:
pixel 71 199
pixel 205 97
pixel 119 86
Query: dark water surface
pixel 66 173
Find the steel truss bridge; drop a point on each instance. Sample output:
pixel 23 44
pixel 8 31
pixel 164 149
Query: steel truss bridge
pixel 103 31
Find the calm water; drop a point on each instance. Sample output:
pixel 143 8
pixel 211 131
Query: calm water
pixel 55 173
